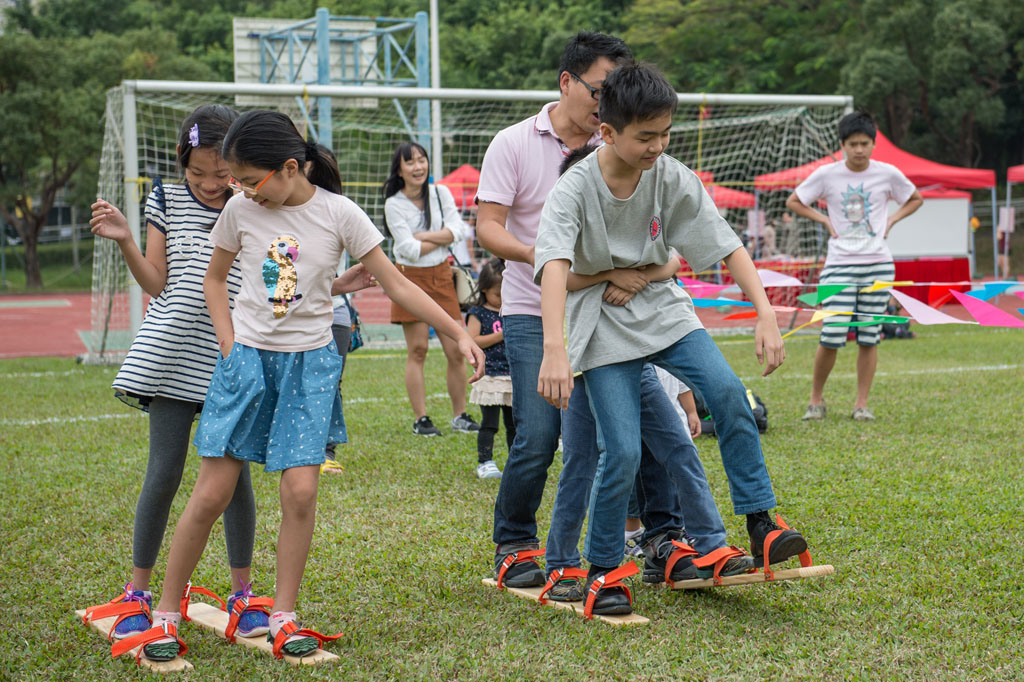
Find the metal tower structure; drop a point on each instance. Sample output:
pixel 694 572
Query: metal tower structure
pixel 350 50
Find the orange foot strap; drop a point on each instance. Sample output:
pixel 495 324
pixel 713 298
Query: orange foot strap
pixel 241 605
pixel 122 606
pixel 718 559
pixel 609 580
pixel 517 558
pixel 143 638
pixel 120 609
pixel 290 628
pixel 682 551
pixel 805 556
pixel 187 595
pixel 556 575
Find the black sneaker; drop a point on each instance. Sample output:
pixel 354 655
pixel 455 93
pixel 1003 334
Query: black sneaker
pixel 789 544
pixel 610 601
pixel 424 427
pixel 523 574
pixel 465 424
pixel 656 554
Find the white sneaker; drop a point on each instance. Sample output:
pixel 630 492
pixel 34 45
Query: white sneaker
pixel 488 469
pixel 633 537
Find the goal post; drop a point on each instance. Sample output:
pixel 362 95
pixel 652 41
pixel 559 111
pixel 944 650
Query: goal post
pixel 728 139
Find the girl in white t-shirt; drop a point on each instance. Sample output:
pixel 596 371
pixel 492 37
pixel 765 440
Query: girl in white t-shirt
pixel 274 395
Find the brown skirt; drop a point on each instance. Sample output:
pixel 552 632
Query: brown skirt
pixel 437 282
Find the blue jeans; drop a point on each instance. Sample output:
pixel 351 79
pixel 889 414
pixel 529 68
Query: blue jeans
pixel 614 392
pixel 672 489
pixel 538 425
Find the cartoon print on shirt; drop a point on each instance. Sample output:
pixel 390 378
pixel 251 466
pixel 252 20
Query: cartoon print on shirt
pixel 279 273
pixel 857 208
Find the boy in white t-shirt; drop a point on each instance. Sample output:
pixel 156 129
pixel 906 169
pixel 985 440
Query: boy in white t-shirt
pixel 857 193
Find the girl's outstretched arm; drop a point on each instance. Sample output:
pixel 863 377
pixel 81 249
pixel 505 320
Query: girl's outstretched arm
pixel 215 286
pixel 415 300
pixel 150 271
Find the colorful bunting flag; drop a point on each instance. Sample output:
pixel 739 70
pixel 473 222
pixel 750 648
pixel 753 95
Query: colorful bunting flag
pixel 987 314
pixel 923 314
pixel 823 292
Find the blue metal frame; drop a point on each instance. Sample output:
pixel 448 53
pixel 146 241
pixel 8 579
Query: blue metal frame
pixel 401 57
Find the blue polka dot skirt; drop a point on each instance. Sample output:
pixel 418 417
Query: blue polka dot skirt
pixel 274 408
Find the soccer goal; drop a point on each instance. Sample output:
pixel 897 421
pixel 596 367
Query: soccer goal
pixel 727 139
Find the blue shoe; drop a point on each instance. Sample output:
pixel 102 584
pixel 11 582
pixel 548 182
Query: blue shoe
pixel 254 621
pixel 138 623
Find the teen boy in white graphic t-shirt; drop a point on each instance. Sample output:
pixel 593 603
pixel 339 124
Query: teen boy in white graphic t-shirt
pixel 857 193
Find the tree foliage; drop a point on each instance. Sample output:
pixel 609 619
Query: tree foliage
pixel 52 96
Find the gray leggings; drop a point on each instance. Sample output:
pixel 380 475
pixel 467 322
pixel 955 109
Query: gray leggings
pixel 170 424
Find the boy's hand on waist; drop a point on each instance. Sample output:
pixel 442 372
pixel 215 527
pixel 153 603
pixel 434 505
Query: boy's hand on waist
pixel 628 279
pixel 615 295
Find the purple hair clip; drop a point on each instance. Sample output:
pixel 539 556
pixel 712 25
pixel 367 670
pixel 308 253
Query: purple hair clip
pixel 193 135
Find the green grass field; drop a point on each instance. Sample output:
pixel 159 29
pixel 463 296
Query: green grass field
pixel 920 513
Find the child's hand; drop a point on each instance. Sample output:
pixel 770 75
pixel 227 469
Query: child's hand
pixel 355 278
pixel 473 355
pixel 108 222
pixel 615 295
pixel 768 346
pixel 554 383
pixel 693 421
pixel 628 279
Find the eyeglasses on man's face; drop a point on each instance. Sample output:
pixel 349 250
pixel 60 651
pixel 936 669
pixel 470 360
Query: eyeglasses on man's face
pixel 236 186
pixel 595 93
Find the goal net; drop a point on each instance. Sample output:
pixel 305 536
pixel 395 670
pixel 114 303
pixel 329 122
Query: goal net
pixel 729 140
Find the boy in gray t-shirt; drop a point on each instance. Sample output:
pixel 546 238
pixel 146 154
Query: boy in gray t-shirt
pixel 626 205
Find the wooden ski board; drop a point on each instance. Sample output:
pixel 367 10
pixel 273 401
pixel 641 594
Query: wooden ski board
pixel 577 606
pixel 174 665
pixel 212 618
pixel 756 578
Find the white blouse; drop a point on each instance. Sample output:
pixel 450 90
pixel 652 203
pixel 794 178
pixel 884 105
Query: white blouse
pixel 405 218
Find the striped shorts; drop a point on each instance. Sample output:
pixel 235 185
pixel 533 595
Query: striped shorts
pixel 853 300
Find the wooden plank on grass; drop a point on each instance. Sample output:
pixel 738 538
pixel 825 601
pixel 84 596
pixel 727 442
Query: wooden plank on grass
pixel 758 577
pixel 533 593
pixel 212 618
pixel 103 625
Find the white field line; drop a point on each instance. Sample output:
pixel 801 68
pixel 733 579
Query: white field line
pixel 137 413
pixel 20 375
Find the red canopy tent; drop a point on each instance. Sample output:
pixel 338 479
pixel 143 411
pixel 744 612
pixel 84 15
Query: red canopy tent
pixel 726 197
pixel 1015 174
pixel 919 171
pixel 463 182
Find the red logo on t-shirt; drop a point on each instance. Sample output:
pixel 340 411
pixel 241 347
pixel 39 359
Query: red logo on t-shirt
pixel 655 228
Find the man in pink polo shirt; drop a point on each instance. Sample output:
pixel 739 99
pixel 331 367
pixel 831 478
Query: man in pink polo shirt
pixel 520 168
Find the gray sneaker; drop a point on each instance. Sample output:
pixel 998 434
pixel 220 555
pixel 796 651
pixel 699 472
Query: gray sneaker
pixel 863 414
pixel 465 424
pixel 814 413
pixel 522 571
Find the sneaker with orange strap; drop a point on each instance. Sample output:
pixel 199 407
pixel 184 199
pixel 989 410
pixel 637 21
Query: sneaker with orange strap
pixel 131 609
pixel 515 565
pixel 292 641
pixel 783 544
pixel 159 643
pixel 670 557
pixel 607 595
pixel 248 615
